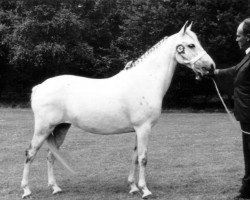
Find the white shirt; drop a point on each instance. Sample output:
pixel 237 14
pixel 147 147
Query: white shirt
pixel 247 50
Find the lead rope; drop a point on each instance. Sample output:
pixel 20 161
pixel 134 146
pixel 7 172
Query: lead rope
pixel 228 112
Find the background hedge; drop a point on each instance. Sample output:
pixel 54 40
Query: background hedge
pixel 95 38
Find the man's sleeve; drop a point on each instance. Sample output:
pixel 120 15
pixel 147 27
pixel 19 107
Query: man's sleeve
pixel 226 73
pixel 225 79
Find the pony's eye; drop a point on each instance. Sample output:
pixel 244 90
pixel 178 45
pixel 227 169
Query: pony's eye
pixel 191 46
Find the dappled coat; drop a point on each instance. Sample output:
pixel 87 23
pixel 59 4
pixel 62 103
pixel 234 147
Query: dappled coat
pixel 240 75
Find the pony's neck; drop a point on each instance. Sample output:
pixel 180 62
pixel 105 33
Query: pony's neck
pixel 160 65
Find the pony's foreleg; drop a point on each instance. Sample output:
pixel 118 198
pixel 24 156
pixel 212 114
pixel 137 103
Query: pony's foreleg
pixel 131 177
pixel 56 139
pixel 142 137
pixel 36 142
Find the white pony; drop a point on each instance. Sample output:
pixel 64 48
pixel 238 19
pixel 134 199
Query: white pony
pixel 127 102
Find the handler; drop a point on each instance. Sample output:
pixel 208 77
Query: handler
pixel 241 76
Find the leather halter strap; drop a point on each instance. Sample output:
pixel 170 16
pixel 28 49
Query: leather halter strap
pixel 196 58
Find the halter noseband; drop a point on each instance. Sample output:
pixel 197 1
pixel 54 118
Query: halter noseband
pixel 196 58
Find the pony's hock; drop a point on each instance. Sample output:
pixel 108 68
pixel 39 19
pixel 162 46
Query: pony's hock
pixel 127 102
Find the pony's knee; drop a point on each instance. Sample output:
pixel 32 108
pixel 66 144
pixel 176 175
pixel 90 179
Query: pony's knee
pixel 30 154
pixel 143 159
pixel 50 157
pixel 28 159
pixel 144 162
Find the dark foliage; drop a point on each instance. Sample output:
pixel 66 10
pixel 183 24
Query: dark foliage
pixel 43 38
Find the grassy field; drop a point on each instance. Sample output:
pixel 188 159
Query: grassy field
pixel 192 156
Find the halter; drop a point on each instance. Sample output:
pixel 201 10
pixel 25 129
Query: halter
pixel 181 49
pixel 196 58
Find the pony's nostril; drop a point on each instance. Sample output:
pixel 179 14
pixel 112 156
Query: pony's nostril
pixel 212 66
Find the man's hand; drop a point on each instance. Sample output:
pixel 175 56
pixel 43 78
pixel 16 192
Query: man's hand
pixel 211 72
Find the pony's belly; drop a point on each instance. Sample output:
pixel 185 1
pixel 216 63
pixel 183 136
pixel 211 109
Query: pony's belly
pixel 103 126
pixel 105 130
pixel 101 121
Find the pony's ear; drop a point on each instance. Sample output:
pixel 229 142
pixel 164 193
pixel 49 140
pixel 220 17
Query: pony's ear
pixel 190 26
pixel 184 28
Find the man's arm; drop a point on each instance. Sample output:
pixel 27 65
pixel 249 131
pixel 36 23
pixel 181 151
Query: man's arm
pixel 227 73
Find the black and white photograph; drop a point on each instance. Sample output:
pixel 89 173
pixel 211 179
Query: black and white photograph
pixel 124 99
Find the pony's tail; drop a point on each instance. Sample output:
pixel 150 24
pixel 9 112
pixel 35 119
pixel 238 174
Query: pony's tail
pixel 57 154
pixel 34 89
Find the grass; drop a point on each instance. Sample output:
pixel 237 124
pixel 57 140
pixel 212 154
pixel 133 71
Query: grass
pixel 192 156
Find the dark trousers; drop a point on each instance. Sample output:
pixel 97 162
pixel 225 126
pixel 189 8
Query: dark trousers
pixel 246 151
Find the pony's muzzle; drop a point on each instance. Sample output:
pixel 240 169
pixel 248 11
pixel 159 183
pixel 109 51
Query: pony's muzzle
pixel 210 70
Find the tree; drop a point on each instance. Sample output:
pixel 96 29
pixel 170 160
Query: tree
pixel 44 38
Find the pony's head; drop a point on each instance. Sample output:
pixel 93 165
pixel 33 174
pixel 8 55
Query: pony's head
pixel 190 53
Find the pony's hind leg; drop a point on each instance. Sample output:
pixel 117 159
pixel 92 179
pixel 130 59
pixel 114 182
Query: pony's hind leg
pixel 131 177
pixel 56 138
pixel 40 135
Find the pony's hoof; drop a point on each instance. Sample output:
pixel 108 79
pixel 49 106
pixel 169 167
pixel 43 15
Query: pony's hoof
pixel 146 195
pixel 56 190
pixel 134 190
pixel 26 194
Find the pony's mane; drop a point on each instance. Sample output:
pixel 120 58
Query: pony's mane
pixel 143 56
